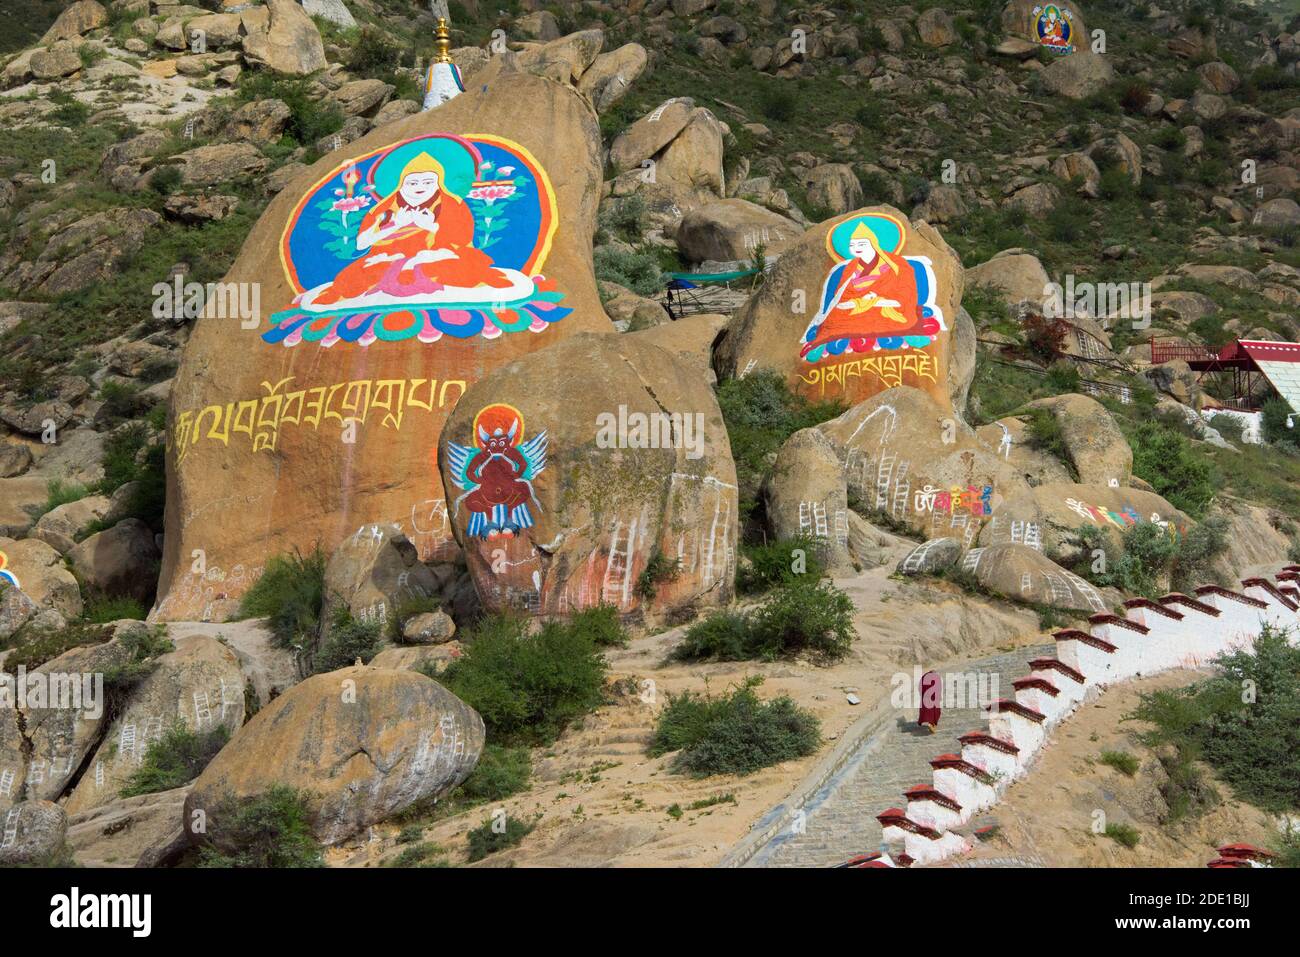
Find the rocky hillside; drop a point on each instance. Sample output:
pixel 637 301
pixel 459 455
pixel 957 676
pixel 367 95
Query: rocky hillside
pixel 300 380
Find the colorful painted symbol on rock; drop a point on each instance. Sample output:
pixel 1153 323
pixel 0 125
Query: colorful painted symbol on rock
pixel 1053 28
pixel 437 235
pixel 874 298
pixel 497 473
pixel 6 576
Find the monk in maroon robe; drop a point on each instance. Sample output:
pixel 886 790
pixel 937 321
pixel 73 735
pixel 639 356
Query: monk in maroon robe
pixel 931 699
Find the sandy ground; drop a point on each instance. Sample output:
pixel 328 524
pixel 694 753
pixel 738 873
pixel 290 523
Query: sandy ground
pixel 1047 816
pixel 600 801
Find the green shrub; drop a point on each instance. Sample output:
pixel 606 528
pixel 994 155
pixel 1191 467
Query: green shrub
pixel 659 570
pixel 805 616
pixel 778 102
pixel 1273 422
pixel 374 54
pixel 775 562
pixel 175 759
pixel 1045 433
pixel 1121 761
pixel 500 772
pixel 528 688
pixel 801 615
pixel 57 493
pixel 122 401
pixel 1148 555
pixel 602 624
pixel 311 117
pixel 166 179
pixel 291 593
pixel 1125 834
pixel 143 645
pixel 734 734
pixel 624 218
pixel 485 840
pixel 270 830
pixel 638 272
pixel 721 636
pixel 129 456
pixel 101 610
pixel 1253 744
pixel 1183 475
pixel 426 854
pixel 348 639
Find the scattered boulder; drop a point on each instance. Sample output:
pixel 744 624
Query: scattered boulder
pixel 145 830
pixel 363 97
pixel 935 28
pixel 1025 574
pixel 62 526
pixel 1175 379
pixel 1077 76
pixel 76 20
pixel 360 744
pixel 122 560
pixel 730 230
pixel 219 163
pixel 429 628
pixel 282 37
pixel 1093 442
pixel 374 571
pixel 42 576
pixel 833 187
pixel 58 60
pixel 650 134
pixel 198 686
pixel 931 557
pixel 612 74
pixel 1219 77
pixel 1280 212
pixel 1017 276
pixel 807 497
pixel 260 122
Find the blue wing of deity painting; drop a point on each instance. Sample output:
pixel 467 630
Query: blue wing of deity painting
pixel 459 457
pixel 534 453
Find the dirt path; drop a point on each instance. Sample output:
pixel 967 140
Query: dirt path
pixel 602 801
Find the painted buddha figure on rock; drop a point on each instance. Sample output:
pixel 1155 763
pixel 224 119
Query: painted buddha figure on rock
pixel 874 299
pixel 415 242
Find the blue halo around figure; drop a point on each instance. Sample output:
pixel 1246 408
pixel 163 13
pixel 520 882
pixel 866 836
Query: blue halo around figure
pixel 458 159
pixel 888 230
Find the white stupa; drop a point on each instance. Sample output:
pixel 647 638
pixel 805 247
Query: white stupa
pixel 442 81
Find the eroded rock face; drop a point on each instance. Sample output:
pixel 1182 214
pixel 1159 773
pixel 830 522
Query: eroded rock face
pixel 1093 442
pixel 860 304
pixel 277 442
pixel 907 456
pixel 374 571
pixel 360 743
pixel 563 494
pixel 199 686
pixel 1025 574
pixel 39 828
pixel 283 38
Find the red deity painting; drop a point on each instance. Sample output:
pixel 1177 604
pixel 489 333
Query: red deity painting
pixel 497 473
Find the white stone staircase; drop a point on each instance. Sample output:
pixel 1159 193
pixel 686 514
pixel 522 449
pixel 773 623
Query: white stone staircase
pixel 1174 632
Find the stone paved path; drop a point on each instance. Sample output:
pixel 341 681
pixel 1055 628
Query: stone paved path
pixel 840 820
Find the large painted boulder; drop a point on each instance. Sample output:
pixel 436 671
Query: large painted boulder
pixel 574 470
pixel 1056 28
pixel 862 303
pixel 395 272
pixel 1048 517
pixel 908 460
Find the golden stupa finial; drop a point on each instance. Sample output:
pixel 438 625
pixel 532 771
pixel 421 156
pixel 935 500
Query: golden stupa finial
pixel 442 37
